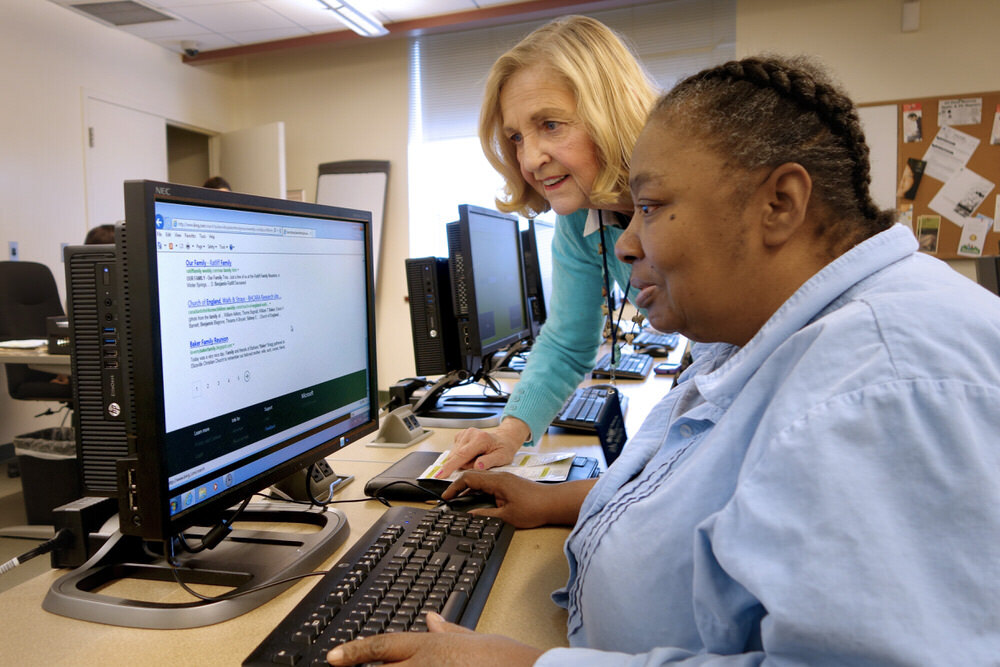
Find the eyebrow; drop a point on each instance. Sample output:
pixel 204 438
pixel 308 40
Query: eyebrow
pixel 542 114
pixel 636 181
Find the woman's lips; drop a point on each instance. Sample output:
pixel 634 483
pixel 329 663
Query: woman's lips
pixel 645 295
pixel 549 184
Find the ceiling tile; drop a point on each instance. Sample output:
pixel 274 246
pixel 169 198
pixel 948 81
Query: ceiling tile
pixel 308 13
pixel 233 17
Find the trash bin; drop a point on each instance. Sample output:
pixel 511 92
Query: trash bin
pixel 49 478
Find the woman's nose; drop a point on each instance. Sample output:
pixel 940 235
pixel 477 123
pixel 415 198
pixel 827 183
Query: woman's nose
pixel 627 248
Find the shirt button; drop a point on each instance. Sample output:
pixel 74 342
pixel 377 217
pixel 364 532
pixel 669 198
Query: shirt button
pixel 686 431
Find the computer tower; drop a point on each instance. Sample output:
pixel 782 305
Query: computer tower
pixel 99 364
pixel 988 273
pixel 435 329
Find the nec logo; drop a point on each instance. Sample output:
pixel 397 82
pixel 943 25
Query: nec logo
pixel 163 191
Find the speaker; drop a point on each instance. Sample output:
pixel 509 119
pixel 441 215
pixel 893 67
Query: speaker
pixel 435 328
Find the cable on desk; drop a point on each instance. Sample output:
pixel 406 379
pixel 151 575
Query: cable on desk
pixel 61 540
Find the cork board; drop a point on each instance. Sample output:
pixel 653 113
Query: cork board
pixel 948 173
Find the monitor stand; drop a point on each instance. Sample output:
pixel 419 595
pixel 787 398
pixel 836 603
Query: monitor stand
pixel 248 558
pixel 434 409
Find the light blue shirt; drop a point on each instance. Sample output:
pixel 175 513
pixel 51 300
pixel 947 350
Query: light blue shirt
pixel 566 349
pixel 828 494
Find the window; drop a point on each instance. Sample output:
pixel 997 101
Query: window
pixel 448 71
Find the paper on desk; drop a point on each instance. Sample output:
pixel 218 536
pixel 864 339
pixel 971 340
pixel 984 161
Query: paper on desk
pixel 528 464
pixel 25 344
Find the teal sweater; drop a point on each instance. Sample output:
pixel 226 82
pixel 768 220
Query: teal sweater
pixel 566 349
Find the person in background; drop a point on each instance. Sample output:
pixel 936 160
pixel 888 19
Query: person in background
pixel 820 488
pixel 561 112
pixel 217 183
pixel 100 234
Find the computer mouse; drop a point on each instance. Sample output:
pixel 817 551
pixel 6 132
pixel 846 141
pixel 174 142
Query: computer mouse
pixel 471 501
pixel 655 351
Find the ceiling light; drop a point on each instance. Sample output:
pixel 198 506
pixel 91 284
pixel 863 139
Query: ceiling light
pixel 358 20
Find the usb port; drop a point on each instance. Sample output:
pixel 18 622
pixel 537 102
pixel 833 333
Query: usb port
pixel 111 351
pixel 111 363
pixel 109 330
pixel 110 341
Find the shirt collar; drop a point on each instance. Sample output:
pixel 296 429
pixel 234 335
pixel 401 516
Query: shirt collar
pixel 593 222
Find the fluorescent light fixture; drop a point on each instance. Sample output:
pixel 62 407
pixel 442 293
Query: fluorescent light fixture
pixel 358 20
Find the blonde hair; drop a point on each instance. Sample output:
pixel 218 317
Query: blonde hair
pixel 613 96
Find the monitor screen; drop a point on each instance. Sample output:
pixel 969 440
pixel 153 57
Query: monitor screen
pixel 484 255
pixel 250 326
pixel 536 242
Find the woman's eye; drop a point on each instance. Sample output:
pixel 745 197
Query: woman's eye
pixel 646 209
pixel 515 138
pixel 551 125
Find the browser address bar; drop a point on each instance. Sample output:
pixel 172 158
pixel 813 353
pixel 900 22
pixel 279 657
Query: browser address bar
pixel 215 226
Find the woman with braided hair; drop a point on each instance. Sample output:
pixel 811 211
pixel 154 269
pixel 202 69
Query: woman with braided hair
pixel 820 488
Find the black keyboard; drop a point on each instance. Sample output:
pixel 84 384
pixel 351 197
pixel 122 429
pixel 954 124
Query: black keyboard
pixel 635 366
pixel 585 407
pixel 412 561
pixel 657 339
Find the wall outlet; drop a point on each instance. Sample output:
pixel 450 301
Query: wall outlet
pixel 14 256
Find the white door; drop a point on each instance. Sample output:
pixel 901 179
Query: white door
pixel 121 143
pixel 252 160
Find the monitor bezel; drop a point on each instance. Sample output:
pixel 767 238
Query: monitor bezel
pixel 473 349
pixel 533 284
pixel 144 500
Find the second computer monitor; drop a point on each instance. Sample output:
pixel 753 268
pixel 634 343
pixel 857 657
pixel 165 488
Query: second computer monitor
pixel 536 243
pixel 484 256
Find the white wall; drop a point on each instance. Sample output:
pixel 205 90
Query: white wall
pixel 50 56
pixel 348 103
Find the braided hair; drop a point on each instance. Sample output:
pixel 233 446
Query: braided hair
pixel 764 112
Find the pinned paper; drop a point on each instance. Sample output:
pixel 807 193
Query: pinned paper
pixel 949 152
pixel 927 232
pixel 912 123
pixel 961 195
pixel 965 111
pixel 974 236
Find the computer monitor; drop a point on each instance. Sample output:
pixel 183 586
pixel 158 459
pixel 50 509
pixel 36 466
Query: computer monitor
pixel 489 309
pixel 536 244
pixel 249 354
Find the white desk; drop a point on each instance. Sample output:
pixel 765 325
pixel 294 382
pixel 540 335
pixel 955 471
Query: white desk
pixel 519 605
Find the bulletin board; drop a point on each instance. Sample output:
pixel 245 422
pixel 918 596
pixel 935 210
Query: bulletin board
pixel 948 173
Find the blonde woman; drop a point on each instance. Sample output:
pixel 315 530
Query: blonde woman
pixel 561 113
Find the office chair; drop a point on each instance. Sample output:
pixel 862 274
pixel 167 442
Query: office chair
pixel 29 295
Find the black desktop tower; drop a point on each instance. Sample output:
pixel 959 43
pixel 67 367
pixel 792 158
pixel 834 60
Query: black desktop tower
pixel 988 273
pixel 435 329
pixel 99 364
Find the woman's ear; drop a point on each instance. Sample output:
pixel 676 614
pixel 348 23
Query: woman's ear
pixel 785 197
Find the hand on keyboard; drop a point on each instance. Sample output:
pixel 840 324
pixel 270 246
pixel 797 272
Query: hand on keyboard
pixel 445 644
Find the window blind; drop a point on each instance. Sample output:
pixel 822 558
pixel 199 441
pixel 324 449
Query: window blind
pixel 448 71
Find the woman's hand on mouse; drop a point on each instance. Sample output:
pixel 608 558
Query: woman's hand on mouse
pixel 523 503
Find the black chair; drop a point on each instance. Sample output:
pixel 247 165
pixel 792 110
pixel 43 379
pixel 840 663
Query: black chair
pixel 28 296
